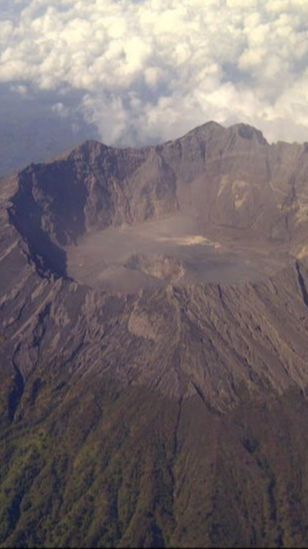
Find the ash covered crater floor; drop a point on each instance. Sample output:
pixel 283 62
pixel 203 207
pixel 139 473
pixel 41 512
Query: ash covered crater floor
pixel 173 249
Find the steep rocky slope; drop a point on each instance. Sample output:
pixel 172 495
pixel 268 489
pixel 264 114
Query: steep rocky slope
pixel 170 412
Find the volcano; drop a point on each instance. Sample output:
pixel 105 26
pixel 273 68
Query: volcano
pixel 154 345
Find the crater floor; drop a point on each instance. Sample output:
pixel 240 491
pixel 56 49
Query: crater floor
pixel 174 249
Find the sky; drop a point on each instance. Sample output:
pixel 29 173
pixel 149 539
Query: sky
pixel 134 72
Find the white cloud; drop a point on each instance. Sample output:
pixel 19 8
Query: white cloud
pixel 152 69
pixel 20 89
pixel 60 109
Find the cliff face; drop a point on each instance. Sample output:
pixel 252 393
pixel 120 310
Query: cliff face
pixel 172 413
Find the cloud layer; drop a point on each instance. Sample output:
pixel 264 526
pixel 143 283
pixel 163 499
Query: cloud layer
pixel 149 70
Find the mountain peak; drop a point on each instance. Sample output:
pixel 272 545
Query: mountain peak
pixel 204 130
pixel 212 128
pixel 248 132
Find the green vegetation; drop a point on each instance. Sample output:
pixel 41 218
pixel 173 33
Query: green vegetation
pixel 131 468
